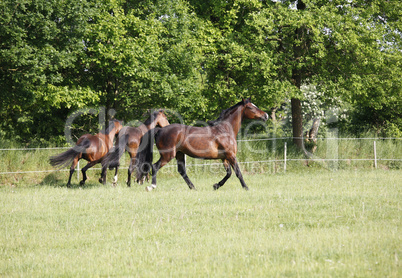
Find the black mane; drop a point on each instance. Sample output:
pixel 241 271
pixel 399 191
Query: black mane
pixel 226 112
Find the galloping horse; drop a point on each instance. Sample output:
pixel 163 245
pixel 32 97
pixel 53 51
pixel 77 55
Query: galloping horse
pixel 129 139
pixel 215 141
pixel 92 148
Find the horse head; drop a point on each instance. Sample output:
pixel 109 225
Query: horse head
pixel 251 111
pixel 161 118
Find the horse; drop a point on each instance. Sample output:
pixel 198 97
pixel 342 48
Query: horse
pixel 217 140
pixel 92 148
pixel 129 139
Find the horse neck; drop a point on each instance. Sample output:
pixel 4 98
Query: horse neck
pixel 111 135
pixel 144 128
pixel 234 119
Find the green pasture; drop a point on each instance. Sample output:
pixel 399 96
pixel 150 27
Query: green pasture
pixel 308 223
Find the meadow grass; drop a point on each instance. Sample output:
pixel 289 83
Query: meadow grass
pixel 24 167
pixel 305 224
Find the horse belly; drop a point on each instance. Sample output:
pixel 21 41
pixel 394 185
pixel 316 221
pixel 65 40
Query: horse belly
pixel 200 148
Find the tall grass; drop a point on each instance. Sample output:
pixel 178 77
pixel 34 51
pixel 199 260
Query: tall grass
pixel 349 152
pixel 309 224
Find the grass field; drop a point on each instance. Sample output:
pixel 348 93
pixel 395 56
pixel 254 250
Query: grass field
pixel 308 224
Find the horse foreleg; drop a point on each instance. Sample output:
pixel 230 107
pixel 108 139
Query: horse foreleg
pixel 102 179
pixel 130 171
pixel 236 168
pixel 228 174
pixel 114 183
pixel 181 168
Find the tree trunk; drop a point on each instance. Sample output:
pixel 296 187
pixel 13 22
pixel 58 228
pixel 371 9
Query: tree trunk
pixel 297 117
pixel 297 123
pixel 311 136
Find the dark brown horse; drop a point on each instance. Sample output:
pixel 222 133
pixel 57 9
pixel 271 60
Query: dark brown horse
pixel 129 139
pixel 215 141
pixel 92 148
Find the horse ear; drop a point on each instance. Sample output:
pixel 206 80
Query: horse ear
pixel 249 99
pixel 243 100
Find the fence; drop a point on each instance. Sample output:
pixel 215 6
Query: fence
pixel 279 154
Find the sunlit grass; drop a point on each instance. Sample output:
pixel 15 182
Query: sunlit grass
pixel 336 224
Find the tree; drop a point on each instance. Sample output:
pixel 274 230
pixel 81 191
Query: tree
pixel 338 46
pixel 195 57
pixel 40 46
pixel 141 57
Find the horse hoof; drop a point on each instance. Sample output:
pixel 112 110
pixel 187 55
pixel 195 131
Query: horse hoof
pixel 216 186
pixel 114 184
pixel 101 180
pixel 82 183
pixel 150 187
pixel 245 188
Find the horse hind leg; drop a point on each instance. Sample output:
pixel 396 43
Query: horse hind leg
pixel 72 169
pixel 181 168
pixel 228 174
pixel 84 172
pixel 165 158
pixel 155 169
pixel 102 179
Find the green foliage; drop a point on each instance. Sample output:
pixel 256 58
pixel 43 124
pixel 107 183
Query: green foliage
pixel 40 46
pixel 196 58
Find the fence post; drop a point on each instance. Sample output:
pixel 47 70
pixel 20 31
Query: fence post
pixel 285 151
pixel 375 155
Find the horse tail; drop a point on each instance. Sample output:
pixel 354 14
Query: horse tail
pixel 65 158
pixel 112 159
pixel 143 159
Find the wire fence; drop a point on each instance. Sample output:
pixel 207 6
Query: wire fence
pixel 283 159
pixel 240 140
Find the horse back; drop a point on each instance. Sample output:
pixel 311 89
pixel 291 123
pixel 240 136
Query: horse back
pixel 97 146
pixel 203 142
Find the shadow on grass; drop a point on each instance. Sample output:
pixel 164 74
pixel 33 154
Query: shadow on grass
pixel 54 180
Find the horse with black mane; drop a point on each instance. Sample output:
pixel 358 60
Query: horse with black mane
pixel 215 141
pixel 92 148
pixel 129 139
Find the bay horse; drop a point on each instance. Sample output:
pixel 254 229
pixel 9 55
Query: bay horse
pixel 217 140
pixel 92 148
pixel 129 139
